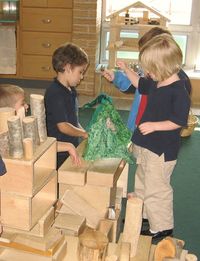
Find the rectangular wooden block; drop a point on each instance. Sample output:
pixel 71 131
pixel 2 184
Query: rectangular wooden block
pixel 82 208
pixel 70 224
pixel 40 229
pixel 9 254
pixel 105 172
pixel 27 177
pixel 105 196
pixel 23 212
pixel 68 173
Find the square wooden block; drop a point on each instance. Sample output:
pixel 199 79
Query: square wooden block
pixel 23 212
pixel 27 177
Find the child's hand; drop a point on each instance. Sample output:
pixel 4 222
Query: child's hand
pixel 147 127
pixel 122 65
pixel 74 155
pixel 108 74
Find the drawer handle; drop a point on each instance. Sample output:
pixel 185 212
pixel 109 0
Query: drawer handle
pixel 46 68
pixel 46 21
pixel 46 45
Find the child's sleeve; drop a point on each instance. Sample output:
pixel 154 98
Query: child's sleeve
pixel 2 167
pixel 121 81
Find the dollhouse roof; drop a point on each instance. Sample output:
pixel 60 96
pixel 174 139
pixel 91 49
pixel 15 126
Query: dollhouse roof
pixel 139 4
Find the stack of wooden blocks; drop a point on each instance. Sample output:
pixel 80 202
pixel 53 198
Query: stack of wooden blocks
pixel 28 195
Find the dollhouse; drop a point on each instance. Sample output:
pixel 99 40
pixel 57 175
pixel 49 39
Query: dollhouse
pixel 136 18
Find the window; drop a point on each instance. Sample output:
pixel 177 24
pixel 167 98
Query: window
pixel 184 21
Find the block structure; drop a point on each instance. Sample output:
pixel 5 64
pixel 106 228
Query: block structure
pixel 29 189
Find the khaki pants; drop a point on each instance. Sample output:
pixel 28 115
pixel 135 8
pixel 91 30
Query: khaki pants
pixel 152 185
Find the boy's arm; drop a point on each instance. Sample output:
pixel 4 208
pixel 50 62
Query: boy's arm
pixel 149 127
pixel 133 77
pixel 71 130
pixel 67 146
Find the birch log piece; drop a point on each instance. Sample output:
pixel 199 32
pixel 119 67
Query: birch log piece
pixel 30 130
pixel 4 146
pixel 92 245
pixel 38 110
pixel 15 137
pixel 28 148
pixel 133 221
pixel 5 113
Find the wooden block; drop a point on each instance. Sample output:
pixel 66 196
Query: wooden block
pixel 72 248
pixel 143 249
pixel 105 172
pixel 27 177
pixel 118 199
pixel 133 221
pixel 105 226
pixel 115 231
pixel 50 241
pixel 123 180
pixel 18 255
pixel 124 252
pixel 24 212
pixel 105 196
pixel 40 229
pixel 68 173
pixel 65 210
pixel 82 208
pixel 92 245
pixel 112 254
pixel 70 224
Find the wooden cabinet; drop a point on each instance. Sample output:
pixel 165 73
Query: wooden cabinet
pixel 44 25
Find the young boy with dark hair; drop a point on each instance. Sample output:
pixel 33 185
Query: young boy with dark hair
pixel 70 63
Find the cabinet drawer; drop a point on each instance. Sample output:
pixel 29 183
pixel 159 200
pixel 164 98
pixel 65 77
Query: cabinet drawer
pixel 37 67
pixel 47 3
pixel 47 20
pixel 35 3
pixel 43 43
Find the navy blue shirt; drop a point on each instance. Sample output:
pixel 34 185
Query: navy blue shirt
pixel 61 106
pixel 2 167
pixel 171 103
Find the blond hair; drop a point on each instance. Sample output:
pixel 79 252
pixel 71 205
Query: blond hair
pixel 9 95
pixel 161 56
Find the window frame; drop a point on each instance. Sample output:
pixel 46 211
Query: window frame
pixel 192 32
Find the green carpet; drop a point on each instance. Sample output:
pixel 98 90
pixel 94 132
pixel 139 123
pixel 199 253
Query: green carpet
pixel 186 184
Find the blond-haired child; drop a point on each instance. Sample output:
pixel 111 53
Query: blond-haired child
pixel 158 134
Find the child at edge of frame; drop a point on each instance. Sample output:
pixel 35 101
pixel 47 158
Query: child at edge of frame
pixel 70 63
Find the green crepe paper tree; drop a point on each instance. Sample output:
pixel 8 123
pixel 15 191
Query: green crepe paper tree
pixel 108 135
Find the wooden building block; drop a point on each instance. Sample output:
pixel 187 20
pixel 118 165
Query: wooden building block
pixel 27 177
pixel 143 249
pixel 9 254
pixel 70 224
pixel 105 227
pixel 40 229
pixel 118 199
pixel 82 208
pixel 115 230
pixel 123 180
pixel 72 248
pixel 105 196
pixel 133 221
pixel 23 212
pixel 50 242
pixel 68 173
pixel 92 245
pixel 105 172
